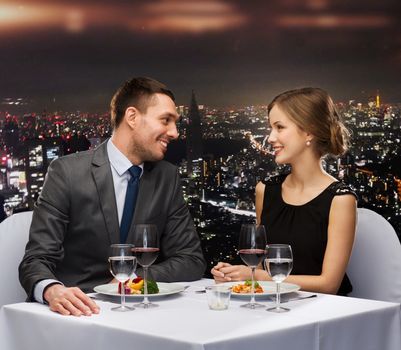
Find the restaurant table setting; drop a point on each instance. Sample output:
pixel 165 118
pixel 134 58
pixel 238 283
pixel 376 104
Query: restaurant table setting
pixel 185 320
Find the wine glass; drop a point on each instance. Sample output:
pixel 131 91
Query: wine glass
pixel 252 245
pixel 146 251
pixel 279 265
pixel 122 265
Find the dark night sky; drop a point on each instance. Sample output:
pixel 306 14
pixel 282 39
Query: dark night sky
pixel 232 53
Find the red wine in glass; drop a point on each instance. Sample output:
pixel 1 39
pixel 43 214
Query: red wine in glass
pixel 146 256
pixel 252 248
pixel 252 257
pixel 146 250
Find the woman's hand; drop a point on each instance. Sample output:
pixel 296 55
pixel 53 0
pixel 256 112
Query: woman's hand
pixel 225 272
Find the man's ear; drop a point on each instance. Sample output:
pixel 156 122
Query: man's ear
pixel 131 116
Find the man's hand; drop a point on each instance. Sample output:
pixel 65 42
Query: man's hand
pixel 69 301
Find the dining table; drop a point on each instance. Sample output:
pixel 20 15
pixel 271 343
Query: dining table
pixel 183 320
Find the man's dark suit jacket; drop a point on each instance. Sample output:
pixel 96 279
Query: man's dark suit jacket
pixel 75 221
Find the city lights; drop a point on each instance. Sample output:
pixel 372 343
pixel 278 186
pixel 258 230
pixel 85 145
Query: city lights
pixel 221 157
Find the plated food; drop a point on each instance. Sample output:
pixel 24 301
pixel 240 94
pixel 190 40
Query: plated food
pixel 269 289
pixel 245 288
pixel 165 289
pixel 137 286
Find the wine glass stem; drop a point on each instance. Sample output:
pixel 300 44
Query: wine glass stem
pixel 123 294
pixel 145 285
pixel 278 295
pixel 252 285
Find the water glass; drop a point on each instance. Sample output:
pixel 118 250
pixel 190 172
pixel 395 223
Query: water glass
pixel 218 297
pixel 279 265
pixel 122 265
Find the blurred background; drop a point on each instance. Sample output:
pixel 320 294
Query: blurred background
pixel 73 54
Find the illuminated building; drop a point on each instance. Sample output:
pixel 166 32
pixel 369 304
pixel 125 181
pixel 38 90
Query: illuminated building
pixel 11 133
pixel 40 153
pixel 194 135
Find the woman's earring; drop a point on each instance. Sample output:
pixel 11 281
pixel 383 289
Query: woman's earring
pixel 308 143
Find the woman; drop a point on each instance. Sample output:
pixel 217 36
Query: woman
pixel 306 208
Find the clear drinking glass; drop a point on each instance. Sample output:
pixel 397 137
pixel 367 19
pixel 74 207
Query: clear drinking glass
pixel 146 251
pixel 122 265
pixel 218 296
pixel 279 265
pixel 251 248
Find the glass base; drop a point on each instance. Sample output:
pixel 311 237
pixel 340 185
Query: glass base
pixel 253 305
pixel 122 308
pixel 278 309
pixel 146 305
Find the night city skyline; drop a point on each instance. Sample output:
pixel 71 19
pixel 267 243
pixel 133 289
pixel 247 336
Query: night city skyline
pixel 219 187
pixel 66 55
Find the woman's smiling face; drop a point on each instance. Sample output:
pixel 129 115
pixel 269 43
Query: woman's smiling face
pixel 286 138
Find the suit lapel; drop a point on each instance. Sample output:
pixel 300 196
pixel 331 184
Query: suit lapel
pixel 104 183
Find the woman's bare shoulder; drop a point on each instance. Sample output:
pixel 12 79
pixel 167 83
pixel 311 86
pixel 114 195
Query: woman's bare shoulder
pixel 260 188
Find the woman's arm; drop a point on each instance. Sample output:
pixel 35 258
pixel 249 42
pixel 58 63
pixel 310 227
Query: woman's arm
pixel 259 195
pixel 340 239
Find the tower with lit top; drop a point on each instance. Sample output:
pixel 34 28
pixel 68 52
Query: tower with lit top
pixel 377 99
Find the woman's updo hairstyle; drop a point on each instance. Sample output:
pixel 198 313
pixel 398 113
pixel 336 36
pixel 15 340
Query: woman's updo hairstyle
pixel 313 110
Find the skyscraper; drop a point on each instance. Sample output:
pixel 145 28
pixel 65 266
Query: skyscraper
pixel 194 135
pixel 40 153
pixel 11 134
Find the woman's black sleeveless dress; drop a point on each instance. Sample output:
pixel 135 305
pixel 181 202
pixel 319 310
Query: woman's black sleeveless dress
pixel 304 227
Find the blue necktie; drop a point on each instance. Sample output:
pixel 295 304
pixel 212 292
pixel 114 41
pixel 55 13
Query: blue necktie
pixel 130 201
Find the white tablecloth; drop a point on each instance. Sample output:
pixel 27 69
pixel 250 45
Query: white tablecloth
pixel 184 321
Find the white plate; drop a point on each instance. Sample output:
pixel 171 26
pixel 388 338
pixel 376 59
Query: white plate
pixel 269 288
pixel 164 289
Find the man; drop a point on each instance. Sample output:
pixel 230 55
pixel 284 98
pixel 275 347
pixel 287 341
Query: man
pixel 81 207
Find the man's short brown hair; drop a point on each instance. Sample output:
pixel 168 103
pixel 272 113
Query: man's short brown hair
pixel 137 93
